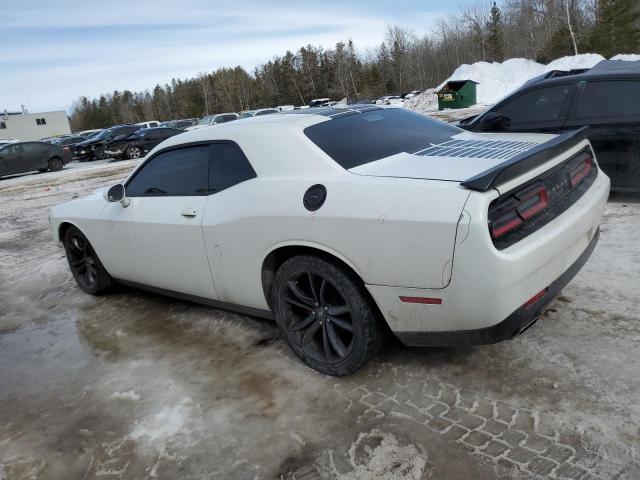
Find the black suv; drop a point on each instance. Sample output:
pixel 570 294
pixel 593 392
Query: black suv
pixel 139 143
pixel 93 148
pixel 606 98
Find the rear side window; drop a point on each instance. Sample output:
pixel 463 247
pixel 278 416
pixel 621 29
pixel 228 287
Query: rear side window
pixel 229 166
pixel 356 139
pixel 608 99
pixel 544 104
pixel 180 172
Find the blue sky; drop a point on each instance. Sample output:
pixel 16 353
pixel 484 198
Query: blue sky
pixel 53 52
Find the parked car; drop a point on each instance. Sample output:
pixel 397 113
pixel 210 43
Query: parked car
pixel 391 100
pixel 185 123
pixel 5 141
pixel 412 94
pixel 67 141
pixel 209 120
pixel 150 124
pixel 259 112
pixel 22 157
pixel 93 148
pixel 89 133
pixel 605 98
pixel 137 144
pixel 319 102
pixel 357 238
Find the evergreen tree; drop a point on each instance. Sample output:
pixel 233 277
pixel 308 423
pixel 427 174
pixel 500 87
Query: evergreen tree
pixel 617 28
pixel 495 39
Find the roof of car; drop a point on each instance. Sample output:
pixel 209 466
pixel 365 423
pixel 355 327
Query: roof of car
pixel 614 67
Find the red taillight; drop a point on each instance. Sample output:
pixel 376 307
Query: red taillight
pixel 505 223
pixel 580 169
pixel 533 200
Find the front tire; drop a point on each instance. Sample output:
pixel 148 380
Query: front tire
pixel 84 263
pixel 132 152
pixel 325 315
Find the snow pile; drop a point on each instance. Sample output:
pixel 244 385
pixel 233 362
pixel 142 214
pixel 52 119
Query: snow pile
pixel 496 80
pixel 425 102
pixel 378 454
pixel 629 57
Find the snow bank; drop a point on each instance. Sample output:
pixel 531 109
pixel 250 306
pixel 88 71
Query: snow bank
pixel 496 80
pixel 629 57
pixel 427 101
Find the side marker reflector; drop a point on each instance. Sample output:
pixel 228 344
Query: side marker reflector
pixel 535 298
pixel 424 300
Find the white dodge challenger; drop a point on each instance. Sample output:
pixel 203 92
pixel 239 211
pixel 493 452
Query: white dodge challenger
pixel 346 224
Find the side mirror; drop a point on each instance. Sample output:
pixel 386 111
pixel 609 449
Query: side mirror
pixel 116 193
pixel 494 121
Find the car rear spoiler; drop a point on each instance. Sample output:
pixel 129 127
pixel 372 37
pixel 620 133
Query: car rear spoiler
pixel 525 161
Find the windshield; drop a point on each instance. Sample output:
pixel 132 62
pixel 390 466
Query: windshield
pixel 102 135
pixel 205 120
pixel 246 115
pixel 354 140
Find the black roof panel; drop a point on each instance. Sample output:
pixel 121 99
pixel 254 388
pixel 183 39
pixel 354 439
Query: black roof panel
pixel 333 111
pixel 615 66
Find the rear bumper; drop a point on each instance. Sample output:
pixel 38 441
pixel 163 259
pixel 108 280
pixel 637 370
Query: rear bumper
pixel 513 325
pixel 488 287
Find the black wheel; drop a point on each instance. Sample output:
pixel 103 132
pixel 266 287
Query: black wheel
pixel 85 264
pixel 325 315
pixel 55 164
pixel 98 154
pixel 133 152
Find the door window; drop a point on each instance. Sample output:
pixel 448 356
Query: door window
pixel 180 172
pixel 152 135
pixel 607 99
pixel 17 149
pixel 229 166
pixel 543 104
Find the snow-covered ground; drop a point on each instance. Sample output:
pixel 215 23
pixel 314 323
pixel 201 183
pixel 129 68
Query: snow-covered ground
pixel 497 80
pixel 133 385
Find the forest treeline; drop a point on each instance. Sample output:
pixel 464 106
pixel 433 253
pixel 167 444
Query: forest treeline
pixel 537 29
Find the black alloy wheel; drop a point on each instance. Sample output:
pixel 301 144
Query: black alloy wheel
pixel 325 315
pixel 85 265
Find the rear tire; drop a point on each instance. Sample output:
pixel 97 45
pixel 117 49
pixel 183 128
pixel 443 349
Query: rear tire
pixel 84 263
pixel 56 164
pixel 326 315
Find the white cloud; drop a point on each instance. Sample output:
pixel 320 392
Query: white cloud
pixel 54 54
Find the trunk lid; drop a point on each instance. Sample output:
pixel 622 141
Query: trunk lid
pixel 457 159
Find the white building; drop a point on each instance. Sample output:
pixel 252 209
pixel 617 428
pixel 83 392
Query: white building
pixel 33 126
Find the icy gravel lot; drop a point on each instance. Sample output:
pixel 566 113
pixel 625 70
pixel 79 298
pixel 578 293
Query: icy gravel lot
pixel 134 386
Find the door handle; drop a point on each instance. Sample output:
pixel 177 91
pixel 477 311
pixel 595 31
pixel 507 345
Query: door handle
pixel 189 212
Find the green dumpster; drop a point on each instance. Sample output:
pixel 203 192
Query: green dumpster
pixel 457 94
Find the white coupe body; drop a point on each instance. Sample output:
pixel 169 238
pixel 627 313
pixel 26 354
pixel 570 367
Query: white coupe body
pixel 406 225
